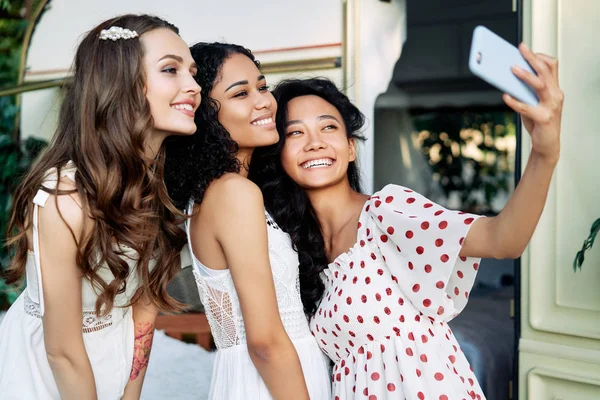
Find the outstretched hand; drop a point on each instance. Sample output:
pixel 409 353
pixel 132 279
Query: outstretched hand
pixel 541 121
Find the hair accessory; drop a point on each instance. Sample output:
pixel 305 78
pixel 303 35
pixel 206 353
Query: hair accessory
pixel 116 32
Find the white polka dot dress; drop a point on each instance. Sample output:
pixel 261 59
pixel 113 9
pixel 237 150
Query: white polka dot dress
pixel 383 318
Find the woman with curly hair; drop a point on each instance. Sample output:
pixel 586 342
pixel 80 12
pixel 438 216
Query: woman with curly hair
pixel 395 266
pixel 92 228
pixel 245 268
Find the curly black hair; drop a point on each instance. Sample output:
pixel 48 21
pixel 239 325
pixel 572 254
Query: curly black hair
pixel 287 202
pixel 193 162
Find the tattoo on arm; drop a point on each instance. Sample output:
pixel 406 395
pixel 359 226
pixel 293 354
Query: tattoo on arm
pixel 144 333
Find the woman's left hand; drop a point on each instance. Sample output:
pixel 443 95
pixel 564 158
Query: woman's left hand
pixel 541 121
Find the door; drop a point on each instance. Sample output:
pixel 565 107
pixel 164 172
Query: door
pixel 559 346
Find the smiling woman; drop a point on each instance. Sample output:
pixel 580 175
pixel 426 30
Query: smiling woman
pixel 245 268
pixel 95 234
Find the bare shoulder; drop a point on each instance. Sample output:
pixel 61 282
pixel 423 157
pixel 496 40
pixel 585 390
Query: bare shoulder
pixel 233 190
pixel 63 211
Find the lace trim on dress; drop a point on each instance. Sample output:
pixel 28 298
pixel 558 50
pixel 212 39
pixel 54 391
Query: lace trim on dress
pixel 90 323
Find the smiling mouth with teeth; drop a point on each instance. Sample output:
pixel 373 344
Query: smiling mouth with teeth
pixel 322 162
pixel 265 121
pixel 187 107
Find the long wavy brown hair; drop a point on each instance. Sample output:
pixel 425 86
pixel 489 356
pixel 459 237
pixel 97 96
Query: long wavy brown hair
pixel 103 126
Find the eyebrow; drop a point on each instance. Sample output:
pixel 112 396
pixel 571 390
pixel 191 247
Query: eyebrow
pixel 319 118
pixel 260 78
pixel 173 56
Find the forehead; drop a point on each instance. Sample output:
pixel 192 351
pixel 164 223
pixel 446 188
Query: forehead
pixel 310 107
pixel 162 41
pixel 238 67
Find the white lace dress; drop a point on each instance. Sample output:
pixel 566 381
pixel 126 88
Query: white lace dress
pixel 234 375
pixel 24 369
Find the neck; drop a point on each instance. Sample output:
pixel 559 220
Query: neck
pixel 335 206
pixel 244 156
pixel 153 145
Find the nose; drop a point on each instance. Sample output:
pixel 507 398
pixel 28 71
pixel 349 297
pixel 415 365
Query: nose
pixel 314 141
pixel 191 86
pixel 263 100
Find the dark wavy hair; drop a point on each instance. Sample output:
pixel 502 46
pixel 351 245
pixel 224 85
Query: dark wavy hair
pixel 104 122
pixel 193 162
pixel 287 202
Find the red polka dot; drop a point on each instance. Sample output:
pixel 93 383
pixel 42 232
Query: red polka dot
pixel 349 300
pixel 359 224
pixel 360 319
pixel 367 280
pixel 387 310
pixel 368 232
pixel 346 319
pixel 440 285
pixel 362 243
pixel 460 274
pixel 426 302
pixel 438 376
pixel 380 272
pixel 423 357
pixel 424 339
pixel 384 238
pixel 389 199
pixel 409 352
pixel 439 242
pixel 362 264
pixel 411 336
pixel 376 319
pixel 452 359
pixel 375 376
pixel 388 291
pixel 440 310
pixel 427 268
pixel 363 298
pixel 443 397
pixel 456 291
pixel 476 266
pixel 462 239
pixel 372 397
pixel 416 287
pixel 421 396
pixel 410 200
pixel 410 265
pixel 380 218
pixel 425 225
pixel 427 205
pixel 401 301
pixel 391 387
pixel 444 258
pixel 418 371
pixel 443 225
pixel 390 230
pixel 439 212
pixel 420 250
pixel 468 221
pixel 409 234
pixel 366 392
pixel 377 203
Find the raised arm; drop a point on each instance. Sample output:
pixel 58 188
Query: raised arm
pixel 241 230
pixel 144 319
pixel 507 235
pixel 61 277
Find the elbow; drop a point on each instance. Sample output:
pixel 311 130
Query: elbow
pixel 265 349
pixel 59 359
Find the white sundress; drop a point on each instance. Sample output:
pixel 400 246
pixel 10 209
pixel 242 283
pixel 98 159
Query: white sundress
pixel 234 375
pixel 24 369
pixel 383 318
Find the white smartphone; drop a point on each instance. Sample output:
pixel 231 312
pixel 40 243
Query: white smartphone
pixel 492 58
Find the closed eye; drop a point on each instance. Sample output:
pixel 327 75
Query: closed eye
pixel 264 88
pixel 293 133
pixel 241 94
pixel 170 70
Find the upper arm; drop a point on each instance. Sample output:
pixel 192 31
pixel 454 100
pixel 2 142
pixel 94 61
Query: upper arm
pixel 60 221
pixel 241 230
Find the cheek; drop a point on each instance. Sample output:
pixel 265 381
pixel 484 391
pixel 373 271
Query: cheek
pixel 287 161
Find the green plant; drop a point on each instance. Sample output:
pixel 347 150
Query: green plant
pixel 16 156
pixel 587 244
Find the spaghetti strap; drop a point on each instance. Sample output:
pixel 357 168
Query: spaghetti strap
pixel 51 183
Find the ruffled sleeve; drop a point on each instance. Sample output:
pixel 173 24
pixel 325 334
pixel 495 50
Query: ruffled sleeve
pixel 420 242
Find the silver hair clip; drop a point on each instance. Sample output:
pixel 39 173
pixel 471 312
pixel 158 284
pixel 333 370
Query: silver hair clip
pixel 116 32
